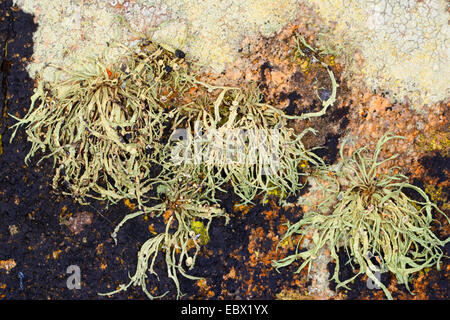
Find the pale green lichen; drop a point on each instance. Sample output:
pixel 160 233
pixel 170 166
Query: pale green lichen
pixel 185 203
pixel 111 131
pixel 103 126
pixel 369 214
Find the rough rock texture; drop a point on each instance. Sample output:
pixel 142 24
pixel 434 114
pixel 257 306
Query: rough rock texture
pixel 212 30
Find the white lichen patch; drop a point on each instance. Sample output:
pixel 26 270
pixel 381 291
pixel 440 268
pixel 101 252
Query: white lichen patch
pixel 212 30
pixel 69 30
pixel 404 44
pixel 209 31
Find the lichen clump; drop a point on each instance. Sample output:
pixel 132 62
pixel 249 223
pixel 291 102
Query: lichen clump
pixel 147 129
pixel 103 126
pixel 186 207
pixel 369 214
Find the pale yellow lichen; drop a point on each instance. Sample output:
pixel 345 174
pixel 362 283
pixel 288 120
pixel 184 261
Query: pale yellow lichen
pixel 209 31
pixel 215 29
pixel 404 44
pixel 69 30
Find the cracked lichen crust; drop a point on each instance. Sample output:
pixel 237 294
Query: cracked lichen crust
pixel 404 44
pixel 69 30
pixel 214 29
pixel 207 30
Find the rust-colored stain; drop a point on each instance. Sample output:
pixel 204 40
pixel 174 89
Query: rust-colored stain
pixel 129 204
pixel 56 253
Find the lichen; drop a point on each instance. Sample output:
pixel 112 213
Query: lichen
pixel 367 213
pixel 404 44
pixel 209 31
